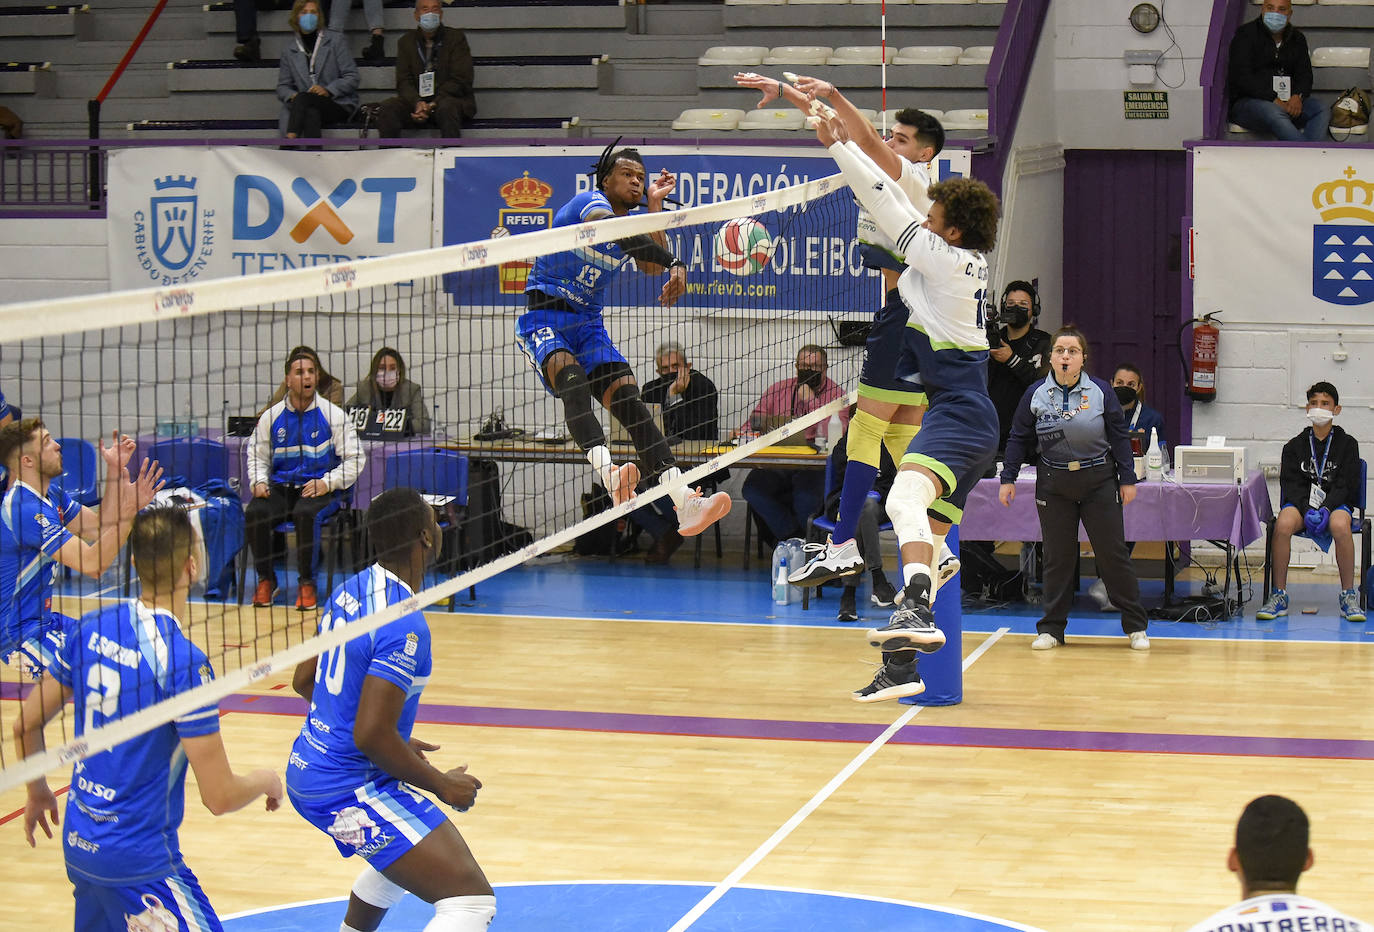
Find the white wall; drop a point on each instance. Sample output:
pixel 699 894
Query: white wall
pixel 52 259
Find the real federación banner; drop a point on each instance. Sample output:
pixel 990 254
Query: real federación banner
pixel 181 215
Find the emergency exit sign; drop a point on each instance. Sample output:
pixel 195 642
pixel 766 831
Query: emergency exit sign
pixel 1147 105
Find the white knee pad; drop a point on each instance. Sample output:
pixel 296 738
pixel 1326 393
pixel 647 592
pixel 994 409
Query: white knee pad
pixel 911 497
pixel 372 888
pixel 462 914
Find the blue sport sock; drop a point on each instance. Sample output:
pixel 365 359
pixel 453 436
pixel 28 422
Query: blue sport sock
pixel 858 482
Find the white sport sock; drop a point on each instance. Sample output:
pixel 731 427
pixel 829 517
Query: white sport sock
pixel 679 494
pixel 600 458
pixel 462 914
pixel 941 553
pixel 912 569
pixel 345 927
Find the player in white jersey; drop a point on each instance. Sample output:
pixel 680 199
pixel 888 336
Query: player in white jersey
pixel 355 771
pixel 891 404
pixel 1271 852
pixel 944 287
pixel 126 803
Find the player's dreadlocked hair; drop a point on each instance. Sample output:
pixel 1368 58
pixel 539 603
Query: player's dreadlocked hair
pixel 971 207
pixel 609 156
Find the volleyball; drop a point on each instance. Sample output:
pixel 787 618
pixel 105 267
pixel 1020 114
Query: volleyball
pixel 743 246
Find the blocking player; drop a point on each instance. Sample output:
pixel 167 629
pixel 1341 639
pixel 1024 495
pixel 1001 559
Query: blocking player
pixel 126 804
pixel 891 402
pixel 564 337
pixel 41 527
pixel 946 341
pixel 354 769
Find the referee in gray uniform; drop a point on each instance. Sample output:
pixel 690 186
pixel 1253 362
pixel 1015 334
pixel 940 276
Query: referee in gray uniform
pixel 1085 472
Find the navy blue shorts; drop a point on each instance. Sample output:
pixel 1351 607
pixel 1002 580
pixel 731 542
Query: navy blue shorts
pixel 545 330
pixel 884 376
pixel 958 442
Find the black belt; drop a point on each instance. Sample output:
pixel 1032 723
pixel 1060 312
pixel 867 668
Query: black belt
pixel 1075 465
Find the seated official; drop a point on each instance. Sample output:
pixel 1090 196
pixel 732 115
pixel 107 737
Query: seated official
pixel 303 451
pixel 317 79
pixel 433 78
pixel 326 386
pixel 1129 385
pixel 387 388
pixel 1269 78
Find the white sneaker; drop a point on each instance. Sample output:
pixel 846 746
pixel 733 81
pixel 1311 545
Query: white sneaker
pixel 1098 591
pixel 949 565
pixel 623 481
pixel 1140 640
pixel 699 512
pixel 1044 641
pixel 829 562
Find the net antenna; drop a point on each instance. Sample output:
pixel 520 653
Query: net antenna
pixel 882 75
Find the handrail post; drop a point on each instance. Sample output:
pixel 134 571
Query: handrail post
pixel 93 166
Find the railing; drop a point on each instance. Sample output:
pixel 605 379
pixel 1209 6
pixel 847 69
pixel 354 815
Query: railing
pixel 1226 19
pixel 1007 77
pixel 46 177
pixel 94 168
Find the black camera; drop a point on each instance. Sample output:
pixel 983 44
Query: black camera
pixel 992 321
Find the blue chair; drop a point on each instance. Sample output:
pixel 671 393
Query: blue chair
pixel 79 478
pixel 442 476
pixel 192 461
pixel 827 524
pixel 1359 524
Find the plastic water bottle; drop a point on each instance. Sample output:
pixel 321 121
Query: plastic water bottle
pixel 780 586
pixel 1154 457
pixel 834 430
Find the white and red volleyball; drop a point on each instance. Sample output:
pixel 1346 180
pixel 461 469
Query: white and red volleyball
pixel 743 246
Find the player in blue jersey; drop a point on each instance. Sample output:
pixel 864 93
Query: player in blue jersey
pixel 126 804
pixel 945 340
pixel 355 771
pixel 41 527
pixel 563 335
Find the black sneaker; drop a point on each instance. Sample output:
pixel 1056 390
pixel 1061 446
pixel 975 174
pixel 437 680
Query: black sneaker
pixel 912 626
pixel 374 50
pixel 892 681
pixel 249 50
pixel 883 594
pixel 849 609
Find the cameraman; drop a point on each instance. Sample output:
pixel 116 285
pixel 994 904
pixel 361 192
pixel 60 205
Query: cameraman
pixel 1018 357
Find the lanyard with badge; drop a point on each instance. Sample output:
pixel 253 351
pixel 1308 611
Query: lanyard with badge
pixel 313 52
pixel 427 76
pixel 1318 494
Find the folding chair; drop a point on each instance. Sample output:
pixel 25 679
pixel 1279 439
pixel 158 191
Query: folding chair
pixel 441 477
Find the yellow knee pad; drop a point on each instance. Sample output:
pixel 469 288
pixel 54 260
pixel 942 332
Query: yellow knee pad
pixel 898 438
pixel 865 438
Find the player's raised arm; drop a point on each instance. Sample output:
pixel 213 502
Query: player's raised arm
pixel 894 214
pixel 860 130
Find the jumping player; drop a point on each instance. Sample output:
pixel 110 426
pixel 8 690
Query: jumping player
pixel 945 340
pixel 354 769
pixel 564 337
pixel 127 803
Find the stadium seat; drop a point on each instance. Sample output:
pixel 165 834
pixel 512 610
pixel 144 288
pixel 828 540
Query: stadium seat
pixel 799 55
pixel 941 1
pixel 928 55
pixel 80 477
pixel 733 55
pixel 1338 2
pixel 774 118
pixel 966 119
pixel 826 2
pixel 859 55
pixel 700 118
pixel 892 114
pixel 191 461
pixel 976 55
pixel 889 2
pixel 441 476
pixel 1331 56
pixel 755 2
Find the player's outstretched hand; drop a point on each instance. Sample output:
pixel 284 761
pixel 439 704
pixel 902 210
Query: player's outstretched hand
pixel 458 788
pixel 118 453
pixel 660 188
pixel 813 87
pixel 674 287
pixel 148 484
pixel 769 88
pixel 38 807
pixel 420 747
pixel 271 788
pixel 1006 493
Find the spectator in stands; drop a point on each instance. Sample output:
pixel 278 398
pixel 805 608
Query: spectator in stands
pixel 690 407
pixel 317 79
pixel 11 124
pixel 1269 856
pixel 372 10
pixel 433 78
pixel 326 386
pixel 1129 385
pixel 303 452
pixel 386 386
pixel 785 498
pixel 1319 478
pixel 1269 78
pixel 249 47
pixel 1020 358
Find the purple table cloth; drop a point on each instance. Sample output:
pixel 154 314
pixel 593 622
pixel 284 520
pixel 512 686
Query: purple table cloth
pixel 1163 510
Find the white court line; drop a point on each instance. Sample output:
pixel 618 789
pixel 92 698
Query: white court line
pixel 763 850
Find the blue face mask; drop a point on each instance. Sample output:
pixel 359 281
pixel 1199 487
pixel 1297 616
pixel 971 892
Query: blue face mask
pixel 1275 22
pixel 309 22
pixel 429 21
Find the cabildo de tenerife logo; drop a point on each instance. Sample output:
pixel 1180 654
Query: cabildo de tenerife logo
pixel 1343 243
pixel 175 237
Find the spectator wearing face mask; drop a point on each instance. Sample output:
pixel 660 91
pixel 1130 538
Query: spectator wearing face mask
pixel 386 387
pixel 433 78
pixel 785 498
pixel 1020 358
pixel 317 79
pixel 1319 477
pixel 1129 385
pixel 1269 78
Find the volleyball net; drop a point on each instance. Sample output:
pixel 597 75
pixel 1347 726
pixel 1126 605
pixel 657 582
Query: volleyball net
pixel 192 367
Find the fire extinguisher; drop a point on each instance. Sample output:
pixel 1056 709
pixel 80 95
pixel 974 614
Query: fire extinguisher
pixel 1202 370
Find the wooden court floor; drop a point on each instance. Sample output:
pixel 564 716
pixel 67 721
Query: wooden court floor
pixel 1086 788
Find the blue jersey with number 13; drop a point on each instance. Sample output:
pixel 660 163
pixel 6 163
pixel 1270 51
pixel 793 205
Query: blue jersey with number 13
pixel 581 275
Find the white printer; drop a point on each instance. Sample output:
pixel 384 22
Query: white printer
pixel 1209 464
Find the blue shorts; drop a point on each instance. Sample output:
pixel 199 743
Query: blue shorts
pixel 883 358
pixel 544 331
pixel 380 821
pixel 958 442
pixel 36 654
pixel 172 903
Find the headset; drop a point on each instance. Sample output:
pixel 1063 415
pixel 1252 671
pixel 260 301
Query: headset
pixel 1029 289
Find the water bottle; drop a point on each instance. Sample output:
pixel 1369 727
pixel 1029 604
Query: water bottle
pixel 831 432
pixel 780 587
pixel 1154 457
pixel 437 430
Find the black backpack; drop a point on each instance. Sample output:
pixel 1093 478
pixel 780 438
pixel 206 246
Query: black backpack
pixel 610 539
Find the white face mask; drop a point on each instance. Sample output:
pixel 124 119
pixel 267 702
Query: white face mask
pixel 1320 416
pixel 386 380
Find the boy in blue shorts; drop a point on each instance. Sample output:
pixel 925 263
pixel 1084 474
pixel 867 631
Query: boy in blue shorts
pixel 355 771
pixel 40 527
pixel 564 337
pixel 126 804
pixel 944 287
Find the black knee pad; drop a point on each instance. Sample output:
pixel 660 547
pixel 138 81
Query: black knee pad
pixel 604 376
pixel 627 406
pixel 569 380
